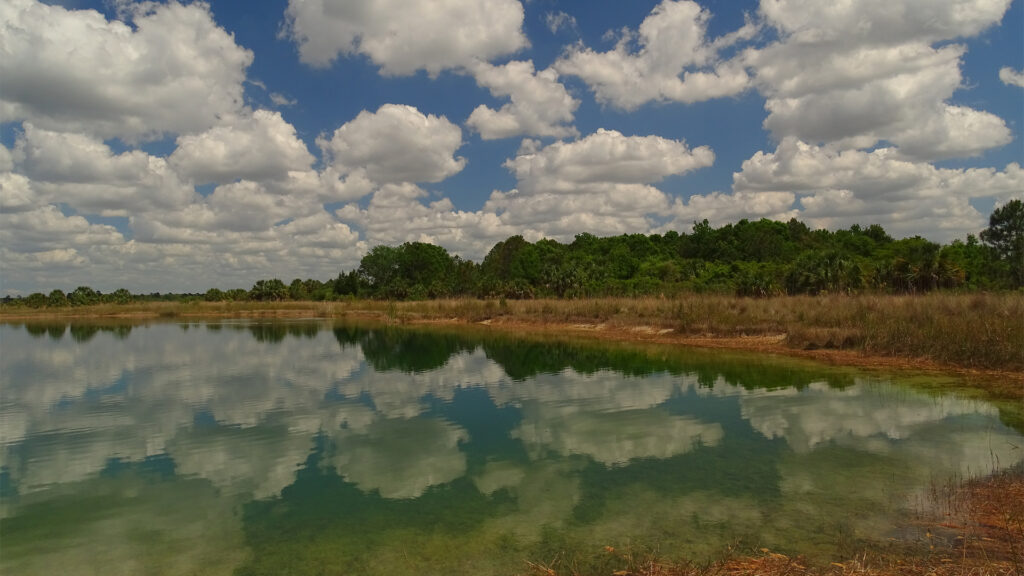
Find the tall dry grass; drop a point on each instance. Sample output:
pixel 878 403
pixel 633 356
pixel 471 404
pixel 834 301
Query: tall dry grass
pixel 969 330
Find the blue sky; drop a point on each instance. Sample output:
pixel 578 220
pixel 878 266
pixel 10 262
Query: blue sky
pixel 166 146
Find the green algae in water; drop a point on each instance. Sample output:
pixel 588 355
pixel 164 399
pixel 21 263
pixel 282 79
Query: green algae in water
pixel 317 448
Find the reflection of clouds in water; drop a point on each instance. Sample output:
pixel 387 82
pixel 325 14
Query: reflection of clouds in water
pixel 402 395
pixel 253 460
pixel 128 399
pixel 613 438
pixel 819 414
pixel 140 396
pixel 401 458
pixel 545 492
pixel 74 457
pixel 498 475
pixel 862 453
pixel 600 391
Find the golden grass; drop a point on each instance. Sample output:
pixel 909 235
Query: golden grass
pixel 974 331
pixel 984 331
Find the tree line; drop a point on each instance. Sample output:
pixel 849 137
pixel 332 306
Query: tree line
pixel 748 258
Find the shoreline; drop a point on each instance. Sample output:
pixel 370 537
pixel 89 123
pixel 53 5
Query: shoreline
pixel 513 319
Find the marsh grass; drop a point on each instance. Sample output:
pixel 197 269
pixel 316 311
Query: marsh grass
pixel 967 330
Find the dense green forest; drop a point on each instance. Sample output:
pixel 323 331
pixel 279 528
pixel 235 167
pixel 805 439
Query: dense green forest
pixel 761 258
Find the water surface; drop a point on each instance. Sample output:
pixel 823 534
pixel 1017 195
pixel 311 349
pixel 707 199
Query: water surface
pixel 315 448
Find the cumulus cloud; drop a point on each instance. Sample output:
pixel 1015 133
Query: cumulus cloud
pixel 843 187
pixel 539 106
pixel 403 37
pixel 721 208
pixel 601 183
pixel 45 229
pixel 606 156
pixel 75 71
pixel 674 61
pixel 396 214
pixel 396 144
pixel 258 146
pixel 1011 77
pixel 84 173
pixel 827 81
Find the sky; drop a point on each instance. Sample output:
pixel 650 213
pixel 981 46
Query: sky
pixel 166 146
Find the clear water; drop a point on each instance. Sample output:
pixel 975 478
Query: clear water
pixel 314 448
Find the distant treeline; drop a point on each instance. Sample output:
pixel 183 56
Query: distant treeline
pixel 761 258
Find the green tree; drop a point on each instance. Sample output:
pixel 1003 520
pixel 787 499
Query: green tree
pixel 381 269
pixel 269 291
pixel 120 296
pixel 1005 233
pixel 56 299
pixel 83 296
pixel 35 300
pixel 297 290
pixel 214 295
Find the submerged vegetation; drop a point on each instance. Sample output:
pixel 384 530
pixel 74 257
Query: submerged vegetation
pixel 974 527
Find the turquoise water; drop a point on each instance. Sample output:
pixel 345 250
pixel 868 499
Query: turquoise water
pixel 315 448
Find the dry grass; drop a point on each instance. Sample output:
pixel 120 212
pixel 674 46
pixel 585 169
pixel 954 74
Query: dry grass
pixel 975 331
pixel 984 331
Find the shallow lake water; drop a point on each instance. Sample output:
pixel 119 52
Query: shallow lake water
pixel 307 447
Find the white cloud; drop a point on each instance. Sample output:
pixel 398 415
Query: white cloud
pixel 672 43
pixel 396 144
pixel 85 174
pixel 397 214
pixel 75 71
pixel 720 208
pixel 402 37
pixel 556 21
pixel 16 194
pixel 46 228
pixel 282 100
pixel 540 105
pixel 882 21
pixel 853 85
pixel 261 146
pixel 605 157
pixel 839 188
pixel 600 184
pixel 1011 77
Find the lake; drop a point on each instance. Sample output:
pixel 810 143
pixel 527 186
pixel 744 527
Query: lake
pixel 309 447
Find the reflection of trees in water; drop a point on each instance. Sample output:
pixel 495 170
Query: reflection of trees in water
pixel 274 332
pixel 389 349
pixel 411 352
pixel 79 331
pixel 414 350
